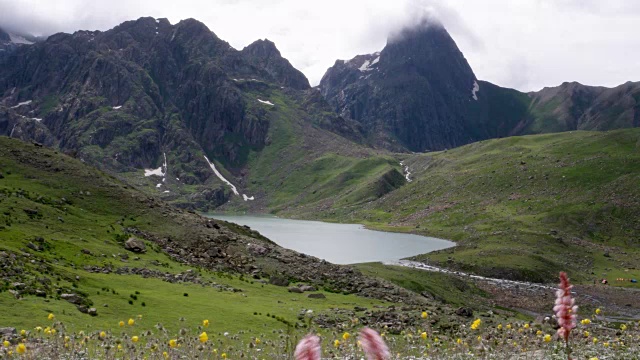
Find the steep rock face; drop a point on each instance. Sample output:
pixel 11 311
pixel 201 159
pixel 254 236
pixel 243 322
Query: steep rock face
pixel 417 93
pixel 264 55
pixel 573 106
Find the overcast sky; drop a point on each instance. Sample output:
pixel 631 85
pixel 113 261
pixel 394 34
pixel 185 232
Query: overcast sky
pixel 524 44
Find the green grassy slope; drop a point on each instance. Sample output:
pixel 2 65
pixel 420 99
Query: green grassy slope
pixel 59 219
pixel 521 207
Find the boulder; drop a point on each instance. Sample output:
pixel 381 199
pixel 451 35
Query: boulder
pixel 308 288
pixel 279 281
pixel 72 298
pixel 316 296
pixel 464 311
pixel 136 245
pixel 8 332
pixel 294 289
pixel 92 312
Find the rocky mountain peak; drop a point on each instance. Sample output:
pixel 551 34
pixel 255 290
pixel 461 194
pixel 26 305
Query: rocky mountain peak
pixel 264 54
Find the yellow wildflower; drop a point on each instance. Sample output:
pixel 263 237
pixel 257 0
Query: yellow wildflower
pixel 606 344
pixel 593 358
pixel 547 338
pixel 121 323
pixel 23 332
pixel 134 339
pixel 623 327
pixel 586 334
pixel 205 323
pixel 203 337
pixel 51 317
pixel 53 331
pixel 598 311
pixel 346 336
pixel 595 340
pixel 165 354
pixel 336 343
pixel 173 343
pixel 21 349
pixel 119 346
pixel 103 334
pixel 6 343
pixel 131 322
pixel 509 326
pixel 539 332
pixel 224 355
pixel 476 324
pixel 585 321
pixel 459 341
pixel 526 326
pixel 258 341
pixel 38 328
pixel 424 315
pixel 499 326
pixel 139 317
pixel 423 336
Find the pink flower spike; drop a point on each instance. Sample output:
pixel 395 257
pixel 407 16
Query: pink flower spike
pixel 308 348
pixel 373 345
pixel 565 307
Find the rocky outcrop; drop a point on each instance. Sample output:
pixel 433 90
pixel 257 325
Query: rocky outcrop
pixel 263 54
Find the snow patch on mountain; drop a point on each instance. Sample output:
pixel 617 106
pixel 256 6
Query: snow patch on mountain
pixel 215 171
pixel 267 102
pixel 475 89
pixel 22 103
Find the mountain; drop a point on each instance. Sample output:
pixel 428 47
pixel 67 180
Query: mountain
pixel 421 74
pixel 573 106
pixel 419 94
pixel 173 99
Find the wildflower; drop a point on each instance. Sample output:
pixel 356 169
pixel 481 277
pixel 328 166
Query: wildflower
pixel 308 348
pixel 38 328
pixel 423 336
pixel 623 327
pixel 336 343
pixel 598 311
pixel 66 339
pixel 21 349
pixel 605 344
pixel 476 324
pixel 346 336
pixel 6 343
pixel 586 334
pixel 539 332
pixel 203 337
pixel 134 339
pixel 565 307
pixel 165 354
pixel 258 341
pixel 499 326
pixel 205 323
pixel 424 315
pixel 121 323
pixel 103 334
pixel 23 332
pixel 526 326
pixel 585 321
pixel 373 345
pixel 173 343
pixel 224 355
pixel 593 358
pixel 139 317
pixel 53 331
pixel 51 317
pixel 459 341
pixel 547 338
pixel 509 326
pixel 120 347
pixel 131 322
pixel 595 340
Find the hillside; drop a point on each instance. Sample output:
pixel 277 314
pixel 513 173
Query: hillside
pixel 521 207
pixel 64 228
